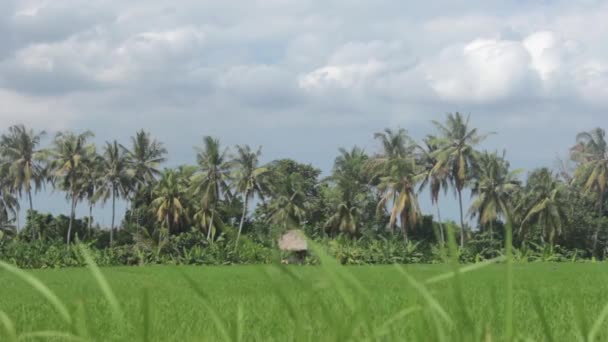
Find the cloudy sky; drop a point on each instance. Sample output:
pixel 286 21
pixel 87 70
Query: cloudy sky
pixel 303 78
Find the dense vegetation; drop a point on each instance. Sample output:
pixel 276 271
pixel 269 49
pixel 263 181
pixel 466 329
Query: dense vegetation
pixel 230 208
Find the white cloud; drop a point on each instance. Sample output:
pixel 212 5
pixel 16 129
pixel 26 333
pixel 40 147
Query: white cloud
pixel 357 65
pixel 592 82
pixel 546 52
pixel 381 62
pixel 542 65
pixel 482 70
pixel 44 113
pixel 259 71
pixel 91 59
pixel 341 76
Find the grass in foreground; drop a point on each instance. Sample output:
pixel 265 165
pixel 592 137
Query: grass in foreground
pixel 305 303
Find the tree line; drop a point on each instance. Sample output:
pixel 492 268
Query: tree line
pixel 369 196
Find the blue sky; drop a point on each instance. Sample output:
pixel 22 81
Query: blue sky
pixel 303 78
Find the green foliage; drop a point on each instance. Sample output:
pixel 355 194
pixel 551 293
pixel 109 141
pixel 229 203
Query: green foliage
pixel 367 201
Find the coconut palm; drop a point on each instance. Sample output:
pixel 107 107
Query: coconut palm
pixel 349 172
pixel 345 218
pixel 395 144
pixel 493 187
pixel 396 171
pixel 209 218
pixel 69 155
pixel 288 205
pixel 210 183
pixel 248 178
pixel 145 156
pixel 9 205
pixel 351 188
pixel 543 204
pixel 436 179
pixel 168 197
pixel 398 188
pixel 89 183
pixel 591 152
pixel 115 178
pixel 21 150
pixel 457 152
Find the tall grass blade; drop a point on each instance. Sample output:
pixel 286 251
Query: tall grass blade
pixel 50 335
pixel 238 327
pixel 596 328
pixel 279 291
pixel 218 321
pixel 458 294
pixel 385 328
pixel 542 317
pixel 426 295
pixel 338 276
pixel 582 323
pixel 102 282
pixel 42 289
pixel 9 327
pixel 80 322
pixel 509 289
pixel 145 311
pixel 465 269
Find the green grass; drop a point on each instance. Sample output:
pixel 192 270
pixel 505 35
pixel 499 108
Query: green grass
pixel 313 303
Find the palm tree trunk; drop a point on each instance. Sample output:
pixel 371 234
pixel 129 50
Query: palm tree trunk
pixel 441 232
pixel 72 215
pixel 404 228
pixel 32 225
pixel 210 225
pixel 599 224
pixel 90 218
pixel 160 232
pixel 461 218
pixel 113 215
pixel 491 230
pixel 236 244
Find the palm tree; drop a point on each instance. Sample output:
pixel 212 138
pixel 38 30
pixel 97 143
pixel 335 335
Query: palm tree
pixel 9 205
pixel 209 218
pixel 115 177
pixel 90 182
pixel 20 148
pixel 210 184
pixel 545 204
pixel 248 179
pixel 69 155
pixel 396 171
pixel 345 218
pixel 395 144
pixel 349 172
pixel 436 179
pixel 494 186
pixel 591 152
pixel 288 207
pixel 145 156
pixel 168 197
pixel 351 186
pixel 457 153
pixel 398 188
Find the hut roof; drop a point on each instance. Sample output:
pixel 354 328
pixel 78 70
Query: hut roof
pixel 293 241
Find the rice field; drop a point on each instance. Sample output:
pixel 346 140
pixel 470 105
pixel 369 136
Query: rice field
pixel 560 302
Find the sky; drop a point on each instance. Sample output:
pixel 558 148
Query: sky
pixel 303 78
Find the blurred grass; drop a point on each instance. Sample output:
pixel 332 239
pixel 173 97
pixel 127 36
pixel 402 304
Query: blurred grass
pixel 304 303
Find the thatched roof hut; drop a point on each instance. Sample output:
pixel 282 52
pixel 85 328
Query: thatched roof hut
pixel 293 241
